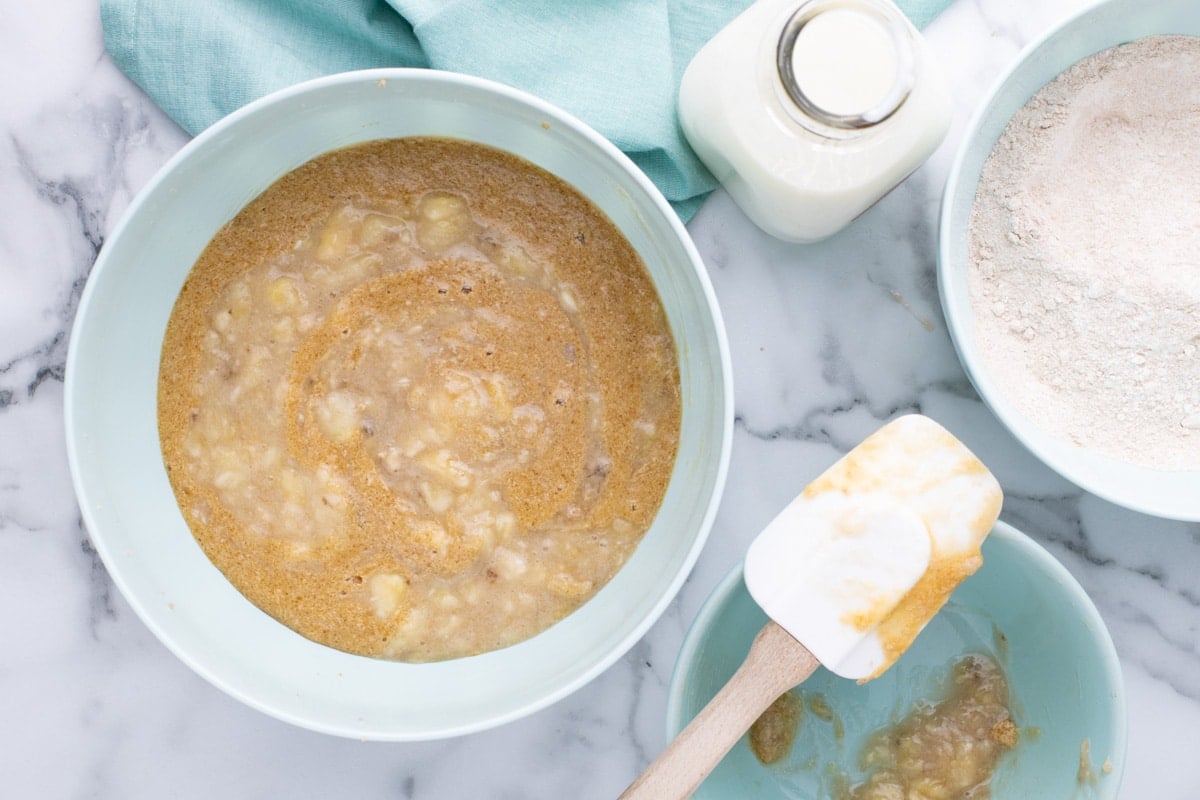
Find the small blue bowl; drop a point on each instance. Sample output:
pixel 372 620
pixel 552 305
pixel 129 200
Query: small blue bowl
pixel 1022 607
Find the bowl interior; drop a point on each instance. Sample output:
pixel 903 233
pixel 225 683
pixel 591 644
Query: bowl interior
pixel 128 504
pixel 1168 494
pixel 1062 669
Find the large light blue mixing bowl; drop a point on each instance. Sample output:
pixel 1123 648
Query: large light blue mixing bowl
pixel 112 439
pixel 1022 607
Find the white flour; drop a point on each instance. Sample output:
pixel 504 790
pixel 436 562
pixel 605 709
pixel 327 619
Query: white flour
pixel 1085 241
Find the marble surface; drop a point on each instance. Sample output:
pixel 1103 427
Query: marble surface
pixel 827 341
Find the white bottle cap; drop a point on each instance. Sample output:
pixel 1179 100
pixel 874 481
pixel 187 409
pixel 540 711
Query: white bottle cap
pixel 846 63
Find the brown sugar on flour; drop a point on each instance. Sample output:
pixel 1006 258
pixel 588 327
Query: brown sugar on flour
pixel 1085 249
pixel 419 400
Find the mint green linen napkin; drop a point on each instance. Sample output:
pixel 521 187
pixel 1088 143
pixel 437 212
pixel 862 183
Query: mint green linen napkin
pixel 616 65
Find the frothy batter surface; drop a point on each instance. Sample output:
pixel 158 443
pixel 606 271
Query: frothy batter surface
pixel 419 400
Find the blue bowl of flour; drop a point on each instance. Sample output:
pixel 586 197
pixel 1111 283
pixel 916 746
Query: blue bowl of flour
pixel 1171 493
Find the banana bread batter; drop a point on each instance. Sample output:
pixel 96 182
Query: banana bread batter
pixel 419 399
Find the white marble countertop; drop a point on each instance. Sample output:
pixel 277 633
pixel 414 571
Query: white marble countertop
pixel 827 341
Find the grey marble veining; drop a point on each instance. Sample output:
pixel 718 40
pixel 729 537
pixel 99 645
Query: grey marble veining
pixel 828 340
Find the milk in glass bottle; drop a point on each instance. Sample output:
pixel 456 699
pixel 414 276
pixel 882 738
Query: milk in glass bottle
pixel 809 111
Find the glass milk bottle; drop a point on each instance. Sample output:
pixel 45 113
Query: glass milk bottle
pixel 809 112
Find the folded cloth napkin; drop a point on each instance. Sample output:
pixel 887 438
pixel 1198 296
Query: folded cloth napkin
pixel 616 65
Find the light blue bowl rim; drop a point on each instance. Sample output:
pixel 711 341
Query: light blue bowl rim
pixel 559 116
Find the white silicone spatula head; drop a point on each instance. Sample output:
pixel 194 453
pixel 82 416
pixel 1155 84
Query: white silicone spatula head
pixel 829 570
pixel 866 555
pixel 849 573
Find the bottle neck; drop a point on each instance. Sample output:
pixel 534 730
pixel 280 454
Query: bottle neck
pixel 845 65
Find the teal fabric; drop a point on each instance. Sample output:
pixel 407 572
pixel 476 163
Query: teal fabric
pixel 616 65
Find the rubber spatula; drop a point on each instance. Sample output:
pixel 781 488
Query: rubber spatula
pixel 849 573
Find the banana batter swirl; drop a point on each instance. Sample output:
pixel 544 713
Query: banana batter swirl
pixel 419 400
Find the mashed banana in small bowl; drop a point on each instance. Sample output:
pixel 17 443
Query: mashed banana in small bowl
pixel 1004 695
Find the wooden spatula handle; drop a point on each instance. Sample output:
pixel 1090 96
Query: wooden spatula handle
pixel 776 662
